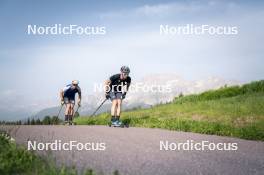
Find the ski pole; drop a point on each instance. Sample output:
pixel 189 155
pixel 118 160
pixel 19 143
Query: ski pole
pixel 99 107
pixel 59 111
pixel 76 111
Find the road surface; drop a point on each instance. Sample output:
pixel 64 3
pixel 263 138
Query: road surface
pixel 136 151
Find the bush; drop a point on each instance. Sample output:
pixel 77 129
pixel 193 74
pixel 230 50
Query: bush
pixel 223 92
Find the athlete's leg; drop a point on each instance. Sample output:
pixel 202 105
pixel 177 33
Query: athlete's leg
pixel 67 111
pixel 71 111
pixel 118 108
pixel 113 109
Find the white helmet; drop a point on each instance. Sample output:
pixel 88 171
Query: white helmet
pixel 75 82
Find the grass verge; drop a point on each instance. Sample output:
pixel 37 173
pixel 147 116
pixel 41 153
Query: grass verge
pixel 16 159
pixel 232 111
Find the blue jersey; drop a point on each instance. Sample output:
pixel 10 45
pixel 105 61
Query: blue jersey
pixel 69 91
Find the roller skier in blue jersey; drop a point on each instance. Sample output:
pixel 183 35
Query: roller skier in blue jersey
pixel 67 96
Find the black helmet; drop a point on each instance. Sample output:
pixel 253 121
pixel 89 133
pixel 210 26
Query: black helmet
pixel 125 69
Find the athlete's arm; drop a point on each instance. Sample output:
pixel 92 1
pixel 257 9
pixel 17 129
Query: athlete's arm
pixel 79 96
pixel 62 92
pixel 61 95
pixel 107 86
pixel 126 88
pixel 128 84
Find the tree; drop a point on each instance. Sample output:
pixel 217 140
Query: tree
pixel 46 120
pixel 19 122
pixel 32 122
pixel 55 120
pixel 181 95
pixel 28 121
pixel 38 122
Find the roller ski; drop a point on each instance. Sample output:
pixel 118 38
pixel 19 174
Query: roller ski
pixel 69 122
pixel 117 123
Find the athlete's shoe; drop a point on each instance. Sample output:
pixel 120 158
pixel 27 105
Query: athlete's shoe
pixel 117 123
pixel 66 123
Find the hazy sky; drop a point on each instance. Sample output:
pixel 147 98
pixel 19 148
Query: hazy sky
pixel 34 68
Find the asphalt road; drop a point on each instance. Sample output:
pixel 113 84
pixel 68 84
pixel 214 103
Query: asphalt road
pixel 137 151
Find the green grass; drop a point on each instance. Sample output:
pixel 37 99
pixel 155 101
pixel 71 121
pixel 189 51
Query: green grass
pixel 16 159
pixel 236 111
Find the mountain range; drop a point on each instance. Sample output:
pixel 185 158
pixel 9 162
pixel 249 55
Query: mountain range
pixel 165 87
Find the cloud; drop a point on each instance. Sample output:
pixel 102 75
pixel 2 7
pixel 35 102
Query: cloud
pixel 175 10
pixel 135 41
pixel 153 10
pixel 7 93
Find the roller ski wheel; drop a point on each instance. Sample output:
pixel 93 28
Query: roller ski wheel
pixel 126 125
pixel 119 124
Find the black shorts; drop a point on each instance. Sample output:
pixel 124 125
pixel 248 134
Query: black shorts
pixel 68 100
pixel 115 95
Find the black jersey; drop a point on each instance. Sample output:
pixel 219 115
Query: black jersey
pixel 117 84
pixel 70 92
